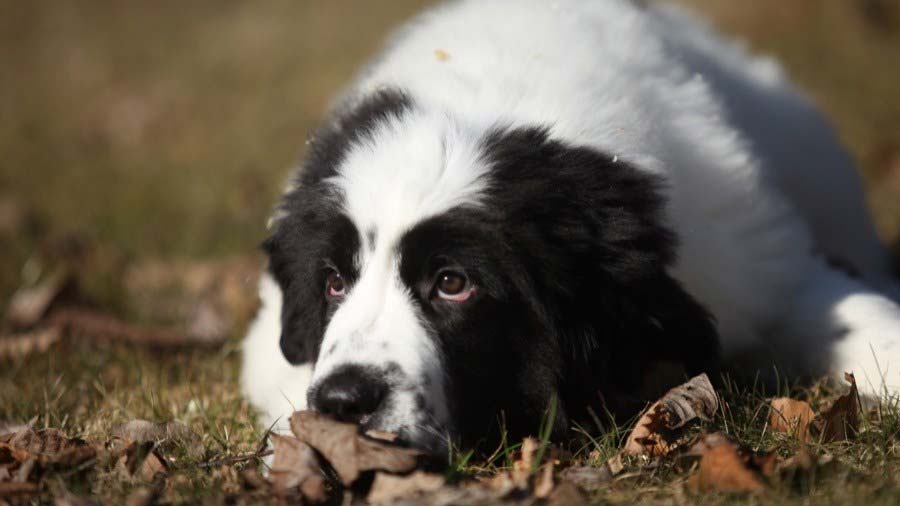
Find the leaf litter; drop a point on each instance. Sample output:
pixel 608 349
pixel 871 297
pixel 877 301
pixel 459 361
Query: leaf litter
pixel 323 460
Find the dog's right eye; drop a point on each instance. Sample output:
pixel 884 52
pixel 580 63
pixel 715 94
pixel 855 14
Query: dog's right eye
pixel 334 284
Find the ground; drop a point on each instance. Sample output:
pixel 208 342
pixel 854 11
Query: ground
pixel 139 134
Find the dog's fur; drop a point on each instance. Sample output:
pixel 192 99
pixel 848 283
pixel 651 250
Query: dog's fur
pixel 621 187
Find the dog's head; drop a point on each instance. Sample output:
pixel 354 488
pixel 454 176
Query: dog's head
pixel 443 276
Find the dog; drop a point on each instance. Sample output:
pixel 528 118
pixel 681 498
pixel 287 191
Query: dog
pixel 523 204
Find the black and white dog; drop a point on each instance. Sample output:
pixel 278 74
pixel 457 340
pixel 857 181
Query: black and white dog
pixel 526 200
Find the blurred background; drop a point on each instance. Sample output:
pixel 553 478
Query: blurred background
pixel 162 131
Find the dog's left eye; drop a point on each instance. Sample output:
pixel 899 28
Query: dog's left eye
pixel 454 286
pixel 334 284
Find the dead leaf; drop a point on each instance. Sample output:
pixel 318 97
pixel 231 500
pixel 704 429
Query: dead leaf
pixel 140 458
pixel 51 447
pixel 29 306
pixel 296 467
pixel 387 488
pixel 441 55
pixel 24 344
pixel 659 431
pixel 789 416
pixel 723 469
pixel 8 429
pixel 841 421
pixel 167 435
pixel 348 452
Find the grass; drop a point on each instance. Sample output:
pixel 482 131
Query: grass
pixel 162 131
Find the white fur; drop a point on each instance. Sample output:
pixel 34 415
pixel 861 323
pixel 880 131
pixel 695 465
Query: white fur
pixel 759 188
pixel 271 383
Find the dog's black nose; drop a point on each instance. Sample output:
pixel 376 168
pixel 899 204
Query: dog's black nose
pixel 349 393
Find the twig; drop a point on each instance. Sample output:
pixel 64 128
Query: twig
pixel 99 325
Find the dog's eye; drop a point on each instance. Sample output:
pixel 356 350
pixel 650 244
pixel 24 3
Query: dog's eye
pixel 454 286
pixel 334 284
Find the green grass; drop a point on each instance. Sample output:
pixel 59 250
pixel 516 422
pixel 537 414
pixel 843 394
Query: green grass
pixel 141 131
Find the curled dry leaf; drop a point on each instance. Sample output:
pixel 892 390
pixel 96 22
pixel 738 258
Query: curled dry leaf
pixel 141 459
pixel 296 467
pixel 659 431
pixel 841 421
pixel 723 470
pixel 51 447
pixel 387 488
pixel 348 452
pixel 789 416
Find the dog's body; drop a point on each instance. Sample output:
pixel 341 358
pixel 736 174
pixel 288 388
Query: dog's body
pixel 605 185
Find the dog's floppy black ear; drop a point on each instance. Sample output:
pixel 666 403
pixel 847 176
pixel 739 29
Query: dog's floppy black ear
pixel 590 228
pixel 302 314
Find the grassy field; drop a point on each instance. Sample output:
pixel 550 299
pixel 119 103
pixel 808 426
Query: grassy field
pixel 160 132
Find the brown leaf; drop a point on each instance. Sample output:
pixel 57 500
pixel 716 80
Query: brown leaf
pixel 723 469
pixel 26 343
pixel 348 452
pixel 841 421
pixel 167 435
pixel 789 416
pixel 8 429
pixel 296 467
pixel 53 447
pixel 659 431
pixel 387 488
pixel 140 458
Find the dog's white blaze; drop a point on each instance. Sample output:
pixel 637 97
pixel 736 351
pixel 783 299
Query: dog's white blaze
pixel 412 168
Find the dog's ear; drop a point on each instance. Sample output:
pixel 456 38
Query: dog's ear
pixel 302 314
pixel 593 228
